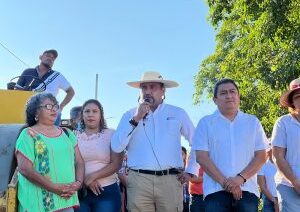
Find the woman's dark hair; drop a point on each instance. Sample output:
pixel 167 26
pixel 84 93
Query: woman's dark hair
pixel 224 81
pixel 102 122
pixel 33 106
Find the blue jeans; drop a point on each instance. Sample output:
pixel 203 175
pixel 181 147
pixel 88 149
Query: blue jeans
pixel 197 203
pixel 223 201
pixel 268 206
pixel 109 200
pixel 288 198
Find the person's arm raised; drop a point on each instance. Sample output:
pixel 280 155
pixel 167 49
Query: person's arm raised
pixel 70 93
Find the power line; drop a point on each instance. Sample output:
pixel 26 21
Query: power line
pixel 14 55
pixel 28 66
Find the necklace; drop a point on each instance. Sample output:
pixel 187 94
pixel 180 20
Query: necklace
pixel 90 132
pixel 47 131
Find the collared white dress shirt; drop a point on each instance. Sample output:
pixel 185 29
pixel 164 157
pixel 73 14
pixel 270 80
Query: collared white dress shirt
pixel 231 146
pixel 155 144
pixel 269 170
pixel 286 134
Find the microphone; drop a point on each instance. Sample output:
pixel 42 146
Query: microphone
pixel 147 99
pixel 145 117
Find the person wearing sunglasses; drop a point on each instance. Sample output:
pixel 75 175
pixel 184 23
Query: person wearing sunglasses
pixel 51 168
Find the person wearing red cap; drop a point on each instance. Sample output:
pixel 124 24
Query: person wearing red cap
pixel 286 150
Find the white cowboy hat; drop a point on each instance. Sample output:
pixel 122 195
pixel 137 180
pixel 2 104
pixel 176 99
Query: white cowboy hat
pixel 152 76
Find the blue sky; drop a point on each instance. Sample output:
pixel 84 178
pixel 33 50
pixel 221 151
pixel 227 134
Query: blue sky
pixel 119 40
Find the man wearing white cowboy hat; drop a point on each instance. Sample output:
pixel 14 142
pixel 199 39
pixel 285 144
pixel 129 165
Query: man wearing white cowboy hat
pixel 152 132
pixel 286 150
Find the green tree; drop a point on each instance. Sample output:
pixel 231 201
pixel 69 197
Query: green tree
pixel 258 45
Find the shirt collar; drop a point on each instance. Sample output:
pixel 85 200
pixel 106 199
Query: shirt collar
pixel 159 108
pixel 294 120
pixel 218 113
pixel 37 69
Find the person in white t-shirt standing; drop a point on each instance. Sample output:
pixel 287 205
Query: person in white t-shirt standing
pixel 231 148
pixel 43 78
pixel 266 182
pixel 286 150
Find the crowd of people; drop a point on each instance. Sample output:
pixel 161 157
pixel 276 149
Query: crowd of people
pixel 141 166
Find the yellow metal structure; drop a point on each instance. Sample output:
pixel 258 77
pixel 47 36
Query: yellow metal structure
pixel 12 112
pixel 9 202
pixel 11 195
pixel 13 106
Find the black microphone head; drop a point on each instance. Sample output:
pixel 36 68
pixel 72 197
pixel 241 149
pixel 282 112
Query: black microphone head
pixel 147 100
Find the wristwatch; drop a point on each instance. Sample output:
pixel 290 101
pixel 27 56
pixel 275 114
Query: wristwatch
pixel 133 122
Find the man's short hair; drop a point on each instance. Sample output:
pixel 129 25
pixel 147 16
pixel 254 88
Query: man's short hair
pixel 224 81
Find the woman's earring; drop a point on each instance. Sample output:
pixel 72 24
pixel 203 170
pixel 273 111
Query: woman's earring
pixel 36 118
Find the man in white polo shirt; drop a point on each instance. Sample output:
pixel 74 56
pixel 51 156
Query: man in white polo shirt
pixel 231 148
pixel 151 133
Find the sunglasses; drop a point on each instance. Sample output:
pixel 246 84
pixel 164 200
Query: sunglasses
pixel 50 107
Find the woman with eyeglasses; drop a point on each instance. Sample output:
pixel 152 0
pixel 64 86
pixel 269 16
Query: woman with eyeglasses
pixel 101 163
pixel 51 168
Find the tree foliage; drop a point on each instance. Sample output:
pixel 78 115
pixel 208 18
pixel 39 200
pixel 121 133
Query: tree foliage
pixel 258 45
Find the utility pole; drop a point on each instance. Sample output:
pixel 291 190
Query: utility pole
pixel 96 88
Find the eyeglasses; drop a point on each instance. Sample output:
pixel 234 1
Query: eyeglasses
pixel 50 107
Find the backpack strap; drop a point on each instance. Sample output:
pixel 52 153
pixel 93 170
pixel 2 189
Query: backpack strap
pixel 65 131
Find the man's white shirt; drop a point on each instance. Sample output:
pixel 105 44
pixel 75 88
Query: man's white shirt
pixel 155 144
pixel 231 146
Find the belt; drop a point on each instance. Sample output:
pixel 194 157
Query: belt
pixel 197 195
pixel 171 171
